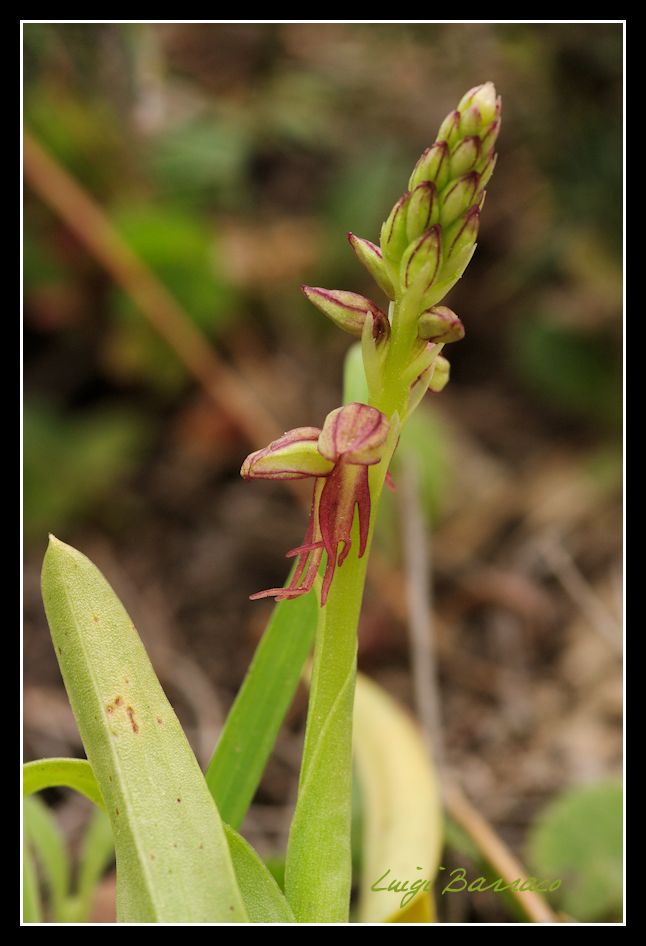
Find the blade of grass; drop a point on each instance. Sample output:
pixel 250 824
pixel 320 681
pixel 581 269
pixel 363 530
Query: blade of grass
pixel 31 908
pixel 44 836
pixel 173 862
pixel 96 854
pixel 256 716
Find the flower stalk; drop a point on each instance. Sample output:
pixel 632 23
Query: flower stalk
pixel 425 245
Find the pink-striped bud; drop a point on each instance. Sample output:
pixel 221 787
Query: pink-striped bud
pixel 393 232
pixel 482 97
pixel 449 130
pixel 294 456
pixel 440 324
pixel 372 258
pixel 423 210
pixel 346 309
pixel 422 260
pixel 432 166
pixel 462 233
pixel 465 156
pixel 457 197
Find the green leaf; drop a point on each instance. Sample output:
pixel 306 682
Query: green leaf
pixel 263 897
pixel 68 773
pixel 96 854
pixel 173 862
pixel 31 910
pixel 578 840
pixel 402 808
pixel 256 716
pixel 43 834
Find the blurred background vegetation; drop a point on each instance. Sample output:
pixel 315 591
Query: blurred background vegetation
pixel 232 159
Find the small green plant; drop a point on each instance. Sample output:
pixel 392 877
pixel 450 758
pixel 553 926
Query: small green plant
pixel 179 855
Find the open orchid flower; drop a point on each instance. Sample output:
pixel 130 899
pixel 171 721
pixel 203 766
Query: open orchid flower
pixel 337 457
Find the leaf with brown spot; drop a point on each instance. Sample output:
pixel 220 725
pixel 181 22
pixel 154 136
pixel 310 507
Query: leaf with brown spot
pixel 149 763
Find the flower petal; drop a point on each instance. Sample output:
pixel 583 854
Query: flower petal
pixel 293 456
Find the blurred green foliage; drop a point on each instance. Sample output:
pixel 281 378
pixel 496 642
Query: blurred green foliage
pixel 578 838
pixel 73 462
pixel 181 250
pixel 574 371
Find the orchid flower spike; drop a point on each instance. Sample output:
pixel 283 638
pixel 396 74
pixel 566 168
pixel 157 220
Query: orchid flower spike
pixel 337 458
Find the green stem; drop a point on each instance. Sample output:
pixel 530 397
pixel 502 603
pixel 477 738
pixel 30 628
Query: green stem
pixel 318 876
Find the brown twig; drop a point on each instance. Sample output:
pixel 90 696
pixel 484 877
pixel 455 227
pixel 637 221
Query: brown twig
pixel 421 628
pixel 420 611
pixel 496 853
pixel 94 230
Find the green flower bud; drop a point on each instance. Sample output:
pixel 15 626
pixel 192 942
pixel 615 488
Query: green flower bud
pixel 393 233
pixel 487 170
pixel 372 258
pixel 294 456
pixel 449 130
pixel 348 310
pixel 422 260
pixel 457 197
pixel 440 324
pixel 423 210
pixel 482 97
pixel 465 156
pixel 462 233
pixel 489 137
pixel 451 272
pixel 440 376
pixel 471 121
pixel 432 166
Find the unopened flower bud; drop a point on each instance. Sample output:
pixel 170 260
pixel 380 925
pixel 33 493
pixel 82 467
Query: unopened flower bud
pixel 457 197
pixel 465 156
pixel 462 233
pixel 393 233
pixel 449 130
pixel 293 456
pixel 451 272
pixel 432 166
pixel 422 260
pixel 440 324
pixel 471 121
pixel 482 97
pixel 487 170
pixel 372 258
pixel 423 210
pixel 489 137
pixel 348 310
pixel 440 376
